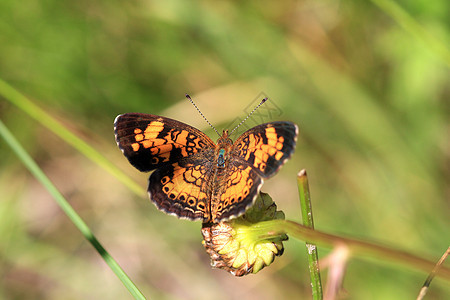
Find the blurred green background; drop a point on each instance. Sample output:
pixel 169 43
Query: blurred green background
pixel 368 88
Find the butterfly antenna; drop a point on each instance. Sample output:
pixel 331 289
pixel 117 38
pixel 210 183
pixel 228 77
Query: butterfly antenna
pixel 189 98
pixel 261 103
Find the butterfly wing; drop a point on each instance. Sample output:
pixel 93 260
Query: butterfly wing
pixel 256 154
pixel 182 189
pixel 266 147
pixel 150 141
pixel 237 192
pixel 181 155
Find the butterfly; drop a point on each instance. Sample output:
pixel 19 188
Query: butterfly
pixel 195 178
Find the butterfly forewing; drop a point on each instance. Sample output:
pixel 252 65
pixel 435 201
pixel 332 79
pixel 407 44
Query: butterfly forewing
pixel 150 141
pixel 266 147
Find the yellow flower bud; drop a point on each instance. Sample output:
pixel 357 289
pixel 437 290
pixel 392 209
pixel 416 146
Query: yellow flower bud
pixel 237 247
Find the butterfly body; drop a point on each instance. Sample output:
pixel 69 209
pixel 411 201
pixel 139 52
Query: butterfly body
pixel 195 178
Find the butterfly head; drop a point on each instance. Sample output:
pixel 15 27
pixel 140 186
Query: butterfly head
pixel 224 141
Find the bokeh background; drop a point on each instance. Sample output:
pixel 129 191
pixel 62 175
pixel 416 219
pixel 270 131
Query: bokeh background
pixel 367 82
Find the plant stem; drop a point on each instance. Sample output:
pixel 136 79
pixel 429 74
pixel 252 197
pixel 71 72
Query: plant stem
pixel 356 247
pixel 311 249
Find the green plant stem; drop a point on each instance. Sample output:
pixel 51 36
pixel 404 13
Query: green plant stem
pixel 272 228
pixel 70 212
pixel 40 115
pixel 311 249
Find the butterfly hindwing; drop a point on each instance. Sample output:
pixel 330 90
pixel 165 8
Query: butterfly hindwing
pixel 150 141
pixel 236 193
pixel 181 189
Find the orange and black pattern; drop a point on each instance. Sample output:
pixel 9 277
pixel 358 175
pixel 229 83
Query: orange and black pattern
pixel 194 177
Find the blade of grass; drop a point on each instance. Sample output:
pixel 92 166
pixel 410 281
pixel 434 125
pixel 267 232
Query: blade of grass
pixel 70 212
pixel 40 115
pixel 311 249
